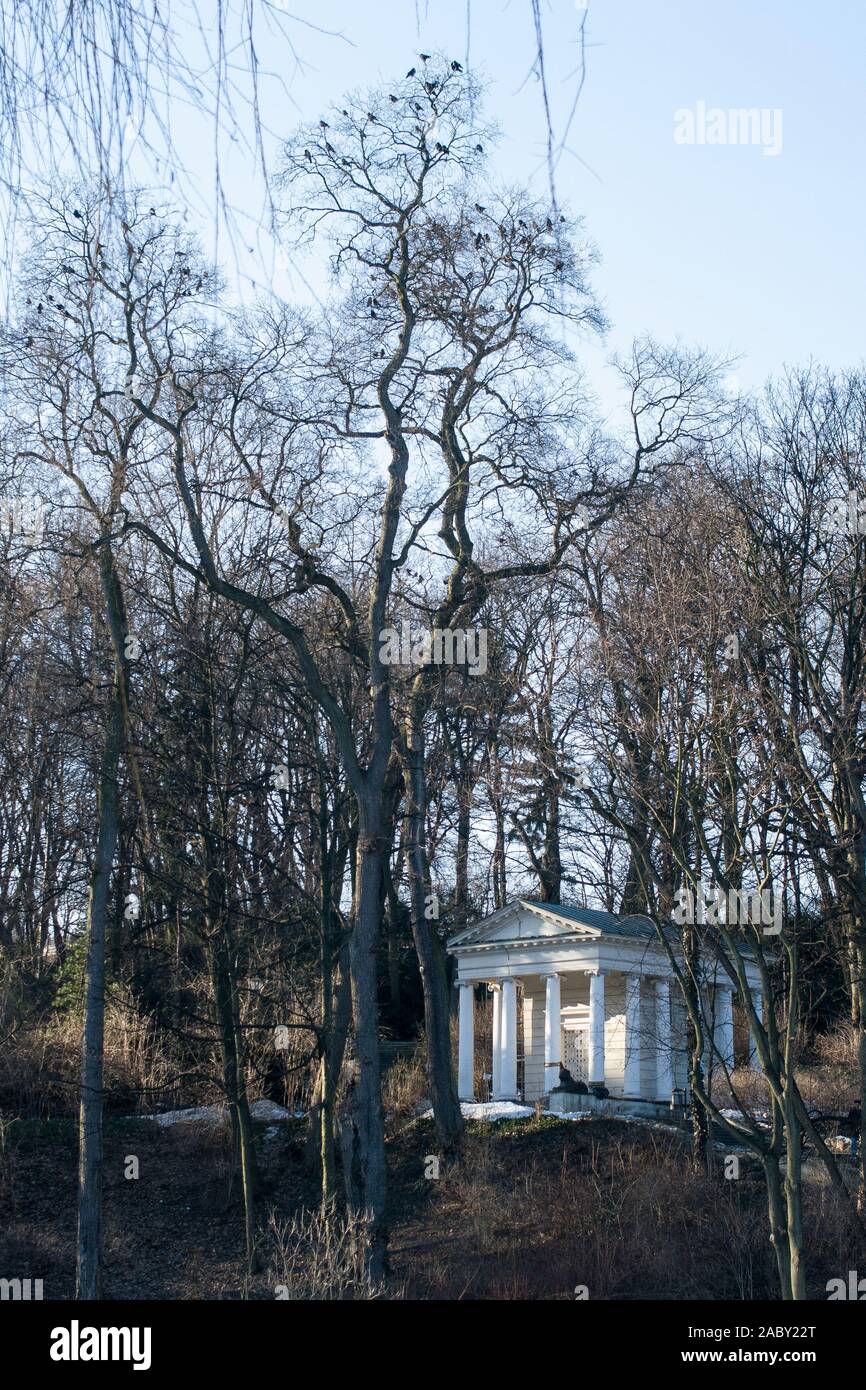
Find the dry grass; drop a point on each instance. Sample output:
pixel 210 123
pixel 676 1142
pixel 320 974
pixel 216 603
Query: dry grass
pixel 319 1255
pixel 549 1209
pixel 40 1065
pixel 404 1087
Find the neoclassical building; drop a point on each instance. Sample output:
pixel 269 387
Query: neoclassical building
pixel 599 997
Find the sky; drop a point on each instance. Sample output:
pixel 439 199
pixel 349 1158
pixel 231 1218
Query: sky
pixel 748 253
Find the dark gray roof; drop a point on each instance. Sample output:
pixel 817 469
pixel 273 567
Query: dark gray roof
pixel 640 928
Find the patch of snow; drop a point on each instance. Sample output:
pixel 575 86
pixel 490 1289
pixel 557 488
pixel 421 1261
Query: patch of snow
pixel 490 1110
pixel 839 1143
pixel 217 1114
pixel 269 1110
pixel 197 1115
pixel 760 1117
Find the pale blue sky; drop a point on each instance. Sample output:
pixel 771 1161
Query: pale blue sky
pixel 748 254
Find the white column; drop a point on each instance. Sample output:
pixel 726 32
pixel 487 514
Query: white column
pixel 508 1062
pixel 552 1032
pixel 725 1024
pixel 631 1080
pixel 497 1039
pixel 596 1029
pixel 663 1040
pixel 466 1043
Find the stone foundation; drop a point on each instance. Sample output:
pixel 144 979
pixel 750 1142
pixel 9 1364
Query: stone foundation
pixel 565 1103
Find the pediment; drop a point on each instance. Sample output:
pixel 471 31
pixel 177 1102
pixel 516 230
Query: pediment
pixel 524 921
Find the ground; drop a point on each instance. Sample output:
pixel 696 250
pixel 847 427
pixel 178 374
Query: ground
pixel 539 1207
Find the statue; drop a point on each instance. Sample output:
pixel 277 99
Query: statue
pixel 568 1085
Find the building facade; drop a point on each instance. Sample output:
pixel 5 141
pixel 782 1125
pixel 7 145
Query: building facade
pixel 587 990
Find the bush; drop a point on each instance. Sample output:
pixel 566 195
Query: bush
pixel 319 1254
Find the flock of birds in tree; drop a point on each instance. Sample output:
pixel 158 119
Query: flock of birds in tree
pixel 431 86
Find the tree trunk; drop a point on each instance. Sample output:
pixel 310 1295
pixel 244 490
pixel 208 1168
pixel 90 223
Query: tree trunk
pixel 431 956
pixel 366 1102
pixel 225 998
pixel 89 1267
pixel 778 1222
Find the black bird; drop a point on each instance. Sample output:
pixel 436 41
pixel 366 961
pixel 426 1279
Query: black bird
pixel 329 147
pixel 373 314
pixel 29 342
pixel 411 72
pixel 75 212
pixel 479 149
pixel 440 148
pixel 370 116
pixel 39 308
pixel 152 212
pixel 549 225
pixel 559 266
pixel 455 67
pixel 432 87
pixel 308 156
pixel 324 125
pixel 479 207
pixel 423 57
pixel 391 97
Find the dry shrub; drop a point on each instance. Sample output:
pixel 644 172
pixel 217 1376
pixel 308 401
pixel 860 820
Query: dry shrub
pixel 319 1255
pixel 750 1090
pixel 284 1072
pixel 839 1048
pixel 40 1065
pixel 831 1083
pixel 404 1086
pixel 627 1219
